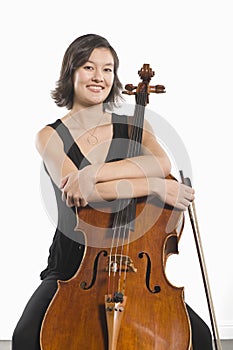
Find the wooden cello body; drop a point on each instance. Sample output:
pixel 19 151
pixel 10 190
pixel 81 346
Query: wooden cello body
pixel 120 297
pixel 152 314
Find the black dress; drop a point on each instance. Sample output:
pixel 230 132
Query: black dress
pixel 66 251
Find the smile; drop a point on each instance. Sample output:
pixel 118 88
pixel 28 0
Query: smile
pixel 95 87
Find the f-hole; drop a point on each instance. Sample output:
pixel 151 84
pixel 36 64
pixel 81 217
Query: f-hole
pixel 83 284
pixel 156 288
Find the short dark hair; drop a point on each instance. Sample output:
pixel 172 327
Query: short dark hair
pixel 75 56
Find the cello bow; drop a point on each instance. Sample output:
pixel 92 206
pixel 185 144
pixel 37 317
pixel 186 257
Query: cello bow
pixel 199 247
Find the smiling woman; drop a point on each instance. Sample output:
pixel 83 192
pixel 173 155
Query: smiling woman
pixel 93 81
pixel 77 55
pixel 85 156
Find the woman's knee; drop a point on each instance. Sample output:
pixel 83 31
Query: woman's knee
pixel 26 335
pixel 24 338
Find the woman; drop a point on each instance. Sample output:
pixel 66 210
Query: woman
pixel 87 163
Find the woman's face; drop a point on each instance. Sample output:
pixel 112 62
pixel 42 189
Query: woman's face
pixel 93 81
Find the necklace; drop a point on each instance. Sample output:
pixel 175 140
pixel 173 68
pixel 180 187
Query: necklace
pixel 91 138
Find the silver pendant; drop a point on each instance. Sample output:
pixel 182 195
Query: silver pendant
pixel 92 140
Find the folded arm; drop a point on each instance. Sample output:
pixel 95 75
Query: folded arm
pixel 131 177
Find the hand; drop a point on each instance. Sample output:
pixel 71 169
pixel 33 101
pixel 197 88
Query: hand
pixel 77 186
pixel 174 193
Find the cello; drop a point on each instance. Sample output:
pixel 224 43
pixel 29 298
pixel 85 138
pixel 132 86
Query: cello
pixel 120 297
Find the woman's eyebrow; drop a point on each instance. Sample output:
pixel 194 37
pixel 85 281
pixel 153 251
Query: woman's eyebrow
pixel 106 64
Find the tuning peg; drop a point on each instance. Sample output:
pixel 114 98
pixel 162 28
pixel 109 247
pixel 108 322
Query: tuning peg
pixel 129 89
pixel 158 89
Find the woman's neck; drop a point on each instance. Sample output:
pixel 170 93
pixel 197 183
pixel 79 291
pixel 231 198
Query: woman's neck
pixel 88 117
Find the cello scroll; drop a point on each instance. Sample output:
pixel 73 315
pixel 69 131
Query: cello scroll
pixel 145 73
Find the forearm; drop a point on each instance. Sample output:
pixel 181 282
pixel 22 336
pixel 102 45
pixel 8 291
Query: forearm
pixel 144 166
pixel 120 189
pixel 167 190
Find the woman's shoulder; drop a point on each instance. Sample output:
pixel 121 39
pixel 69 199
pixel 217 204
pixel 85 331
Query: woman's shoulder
pixel 45 135
pixel 148 127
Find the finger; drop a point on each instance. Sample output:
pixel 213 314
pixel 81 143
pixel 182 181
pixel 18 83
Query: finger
pixel 63 182
pixel 77 204
pixel 180 206
pixel 189 195
pixel 76 200
pixel 63 196
pixel 83 202
pixel 192 197
pixel 69 200
pixel 185 202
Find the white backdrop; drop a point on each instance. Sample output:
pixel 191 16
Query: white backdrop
pixel 188 44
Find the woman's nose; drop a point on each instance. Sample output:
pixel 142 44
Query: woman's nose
pixel 97 76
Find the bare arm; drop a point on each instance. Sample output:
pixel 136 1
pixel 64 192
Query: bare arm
pixel 153 162
pixel 104 181
pixel 50 147
pixel 81 186
pixel 169 191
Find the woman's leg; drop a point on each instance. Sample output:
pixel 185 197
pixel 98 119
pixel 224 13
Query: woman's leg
pixel 26 335
pixel 201 335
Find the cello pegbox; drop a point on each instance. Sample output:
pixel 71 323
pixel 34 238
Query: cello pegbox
pixel 143 89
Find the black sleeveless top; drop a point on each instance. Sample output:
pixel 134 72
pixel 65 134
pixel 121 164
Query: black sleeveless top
pixel 66 251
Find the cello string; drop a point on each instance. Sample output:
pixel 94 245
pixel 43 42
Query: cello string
pixel 125 207
pixel 120 229
pixel 118 217
pixel 117 228
pixel 134 150
pixel 131 151
pixel 113 258
pixel 110 262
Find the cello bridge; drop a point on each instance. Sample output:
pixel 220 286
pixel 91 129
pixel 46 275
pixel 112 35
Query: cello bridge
pixel 118 262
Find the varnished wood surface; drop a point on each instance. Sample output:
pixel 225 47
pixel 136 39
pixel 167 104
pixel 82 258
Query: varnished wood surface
pixel 76 318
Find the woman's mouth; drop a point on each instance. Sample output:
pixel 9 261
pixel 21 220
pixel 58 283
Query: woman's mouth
pixel 95 88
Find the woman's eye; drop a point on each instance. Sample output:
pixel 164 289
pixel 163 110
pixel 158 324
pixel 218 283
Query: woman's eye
pixel 108 70
pixel 88 67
